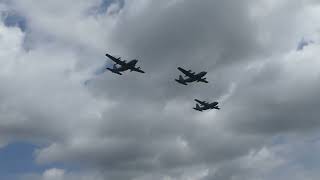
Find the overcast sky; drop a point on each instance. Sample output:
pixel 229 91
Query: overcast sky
pixel 63 118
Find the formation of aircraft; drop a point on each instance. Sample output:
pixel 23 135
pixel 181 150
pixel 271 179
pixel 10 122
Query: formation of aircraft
pixel 205 105
pixel 122 65
pixel 191 77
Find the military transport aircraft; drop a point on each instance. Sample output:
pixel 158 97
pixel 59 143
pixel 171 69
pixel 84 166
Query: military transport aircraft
pixel 205 105
pixel 192 77
pixel 131 65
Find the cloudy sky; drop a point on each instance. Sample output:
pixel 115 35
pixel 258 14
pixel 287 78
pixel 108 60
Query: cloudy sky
pixel 63 118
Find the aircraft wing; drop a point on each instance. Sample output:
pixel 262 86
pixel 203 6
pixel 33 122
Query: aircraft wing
pixel 203 103
pixel 137 70
pixel 217 107
pixel 214 104
pixel 203 80
pixel 187 73
pixel 116 60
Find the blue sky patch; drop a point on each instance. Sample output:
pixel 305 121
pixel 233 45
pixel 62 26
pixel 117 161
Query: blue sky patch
pixel 303 43
pixel 15 20
pixel 17 158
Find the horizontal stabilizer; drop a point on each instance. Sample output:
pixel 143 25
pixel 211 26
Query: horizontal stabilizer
pixel 114 71
pixel 181 82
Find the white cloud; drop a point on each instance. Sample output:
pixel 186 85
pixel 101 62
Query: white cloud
pixel 142 126
pixel 53 174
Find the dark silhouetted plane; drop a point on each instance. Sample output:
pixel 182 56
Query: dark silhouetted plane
pixel 124 66
pixel 192 77
pixel 205 105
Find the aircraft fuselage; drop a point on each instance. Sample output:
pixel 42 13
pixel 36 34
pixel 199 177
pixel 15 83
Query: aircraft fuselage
pixel 123 65
pixel 195 77
pixel 205 105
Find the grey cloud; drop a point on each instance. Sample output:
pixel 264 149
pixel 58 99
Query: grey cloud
pixel 281 98
pixel 189 32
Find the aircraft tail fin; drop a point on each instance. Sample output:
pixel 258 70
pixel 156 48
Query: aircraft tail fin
pixel 197 107
pixel 181 80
